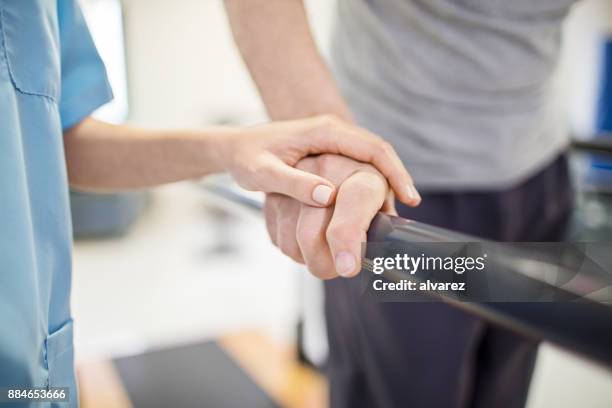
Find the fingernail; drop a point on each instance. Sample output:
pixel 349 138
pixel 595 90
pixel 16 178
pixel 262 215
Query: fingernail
pixel 345 264
pixel 416 193
pixel 413 193
pixel 321 194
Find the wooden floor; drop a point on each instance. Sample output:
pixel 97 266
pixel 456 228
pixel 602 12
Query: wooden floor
pixel 271 366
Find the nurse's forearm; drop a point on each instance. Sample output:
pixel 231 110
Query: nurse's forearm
pixel 276 43
pixel 102 156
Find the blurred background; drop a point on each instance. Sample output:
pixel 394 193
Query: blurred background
pixel 176 281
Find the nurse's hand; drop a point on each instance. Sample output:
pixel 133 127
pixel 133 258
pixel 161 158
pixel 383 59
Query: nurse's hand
pixel 328 240
pixel 264 157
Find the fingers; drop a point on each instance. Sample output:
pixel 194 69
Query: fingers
pixel 383 156
pixel 311 228
pixel 270 212
pixel 329 239
pixel 359 144
pixel 359 198
pixel 308 188
pixel 287 211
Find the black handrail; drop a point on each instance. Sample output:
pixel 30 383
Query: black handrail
pixel 583 327
pixel 602 143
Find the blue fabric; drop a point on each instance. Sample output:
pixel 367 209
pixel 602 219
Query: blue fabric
pixel 51 77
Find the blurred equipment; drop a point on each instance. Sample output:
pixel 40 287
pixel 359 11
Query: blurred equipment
pixel 105 215
pixel 604 110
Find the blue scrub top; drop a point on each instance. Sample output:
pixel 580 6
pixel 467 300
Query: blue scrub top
pixel 51 77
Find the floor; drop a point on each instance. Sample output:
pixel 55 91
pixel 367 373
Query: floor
pixel 271 365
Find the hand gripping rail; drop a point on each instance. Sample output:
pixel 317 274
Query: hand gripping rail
pixel 583 327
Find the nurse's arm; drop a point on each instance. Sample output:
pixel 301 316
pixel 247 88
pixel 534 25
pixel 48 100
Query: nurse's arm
pixel 102 156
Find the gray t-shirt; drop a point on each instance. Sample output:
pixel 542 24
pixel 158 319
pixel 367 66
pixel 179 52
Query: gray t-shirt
pixel 465 90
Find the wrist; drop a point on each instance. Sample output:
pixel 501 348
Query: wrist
pixel 222 146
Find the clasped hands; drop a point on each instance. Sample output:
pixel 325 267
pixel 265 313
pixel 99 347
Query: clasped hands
pixel 324 230
pixel 328 239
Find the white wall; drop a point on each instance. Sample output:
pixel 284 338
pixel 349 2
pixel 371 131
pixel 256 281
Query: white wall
pixel 184 69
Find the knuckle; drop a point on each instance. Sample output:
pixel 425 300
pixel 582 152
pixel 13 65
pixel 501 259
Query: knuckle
pixel 307 236
pixel 340 233
pixel 297 257
pixel 321 266
pixel 387 147
pixel 323 272
pixel 374 179
pixel 372 184
pixel 328 119
pixel 384 148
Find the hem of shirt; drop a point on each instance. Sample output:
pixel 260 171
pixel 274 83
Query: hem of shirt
pixel 509 181
pixel 82 105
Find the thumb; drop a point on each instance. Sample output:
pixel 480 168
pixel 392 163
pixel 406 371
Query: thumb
pixel 358 200
pixel 305 187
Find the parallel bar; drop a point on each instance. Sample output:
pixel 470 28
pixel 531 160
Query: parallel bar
pixel 583 327
pixel 601 143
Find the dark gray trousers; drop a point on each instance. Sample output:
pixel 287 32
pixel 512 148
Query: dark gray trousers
pixel 429 354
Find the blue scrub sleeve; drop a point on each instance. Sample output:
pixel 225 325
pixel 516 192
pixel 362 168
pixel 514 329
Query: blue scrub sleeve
pixel 85 86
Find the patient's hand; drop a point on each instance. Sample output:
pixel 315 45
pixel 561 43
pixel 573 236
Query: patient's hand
pixel 328 240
